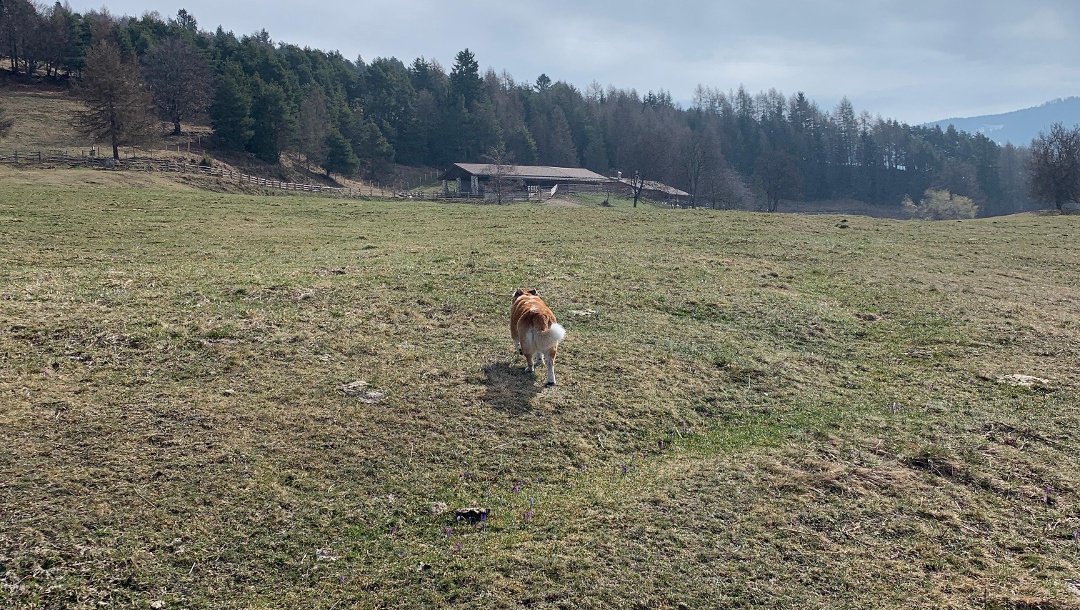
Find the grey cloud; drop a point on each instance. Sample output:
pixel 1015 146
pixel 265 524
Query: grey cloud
pixel 916 60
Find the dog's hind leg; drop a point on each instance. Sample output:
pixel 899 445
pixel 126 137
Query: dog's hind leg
pixel 528 349
pixel 549 361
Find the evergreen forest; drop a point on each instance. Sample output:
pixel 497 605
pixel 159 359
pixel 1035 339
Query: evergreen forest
pixel 370 118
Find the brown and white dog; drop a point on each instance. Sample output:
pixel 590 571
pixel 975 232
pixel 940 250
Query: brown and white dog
pixel 534 330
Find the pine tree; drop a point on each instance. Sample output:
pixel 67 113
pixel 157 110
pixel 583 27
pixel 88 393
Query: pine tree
pixel 374 150
pixel 521 145
pixel 340 157
pixel 563 152
pixel 230 112
pixel 465 81
pixel 274 121
pixel 595 153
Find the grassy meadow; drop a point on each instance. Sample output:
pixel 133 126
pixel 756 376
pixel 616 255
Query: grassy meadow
pixel 214 400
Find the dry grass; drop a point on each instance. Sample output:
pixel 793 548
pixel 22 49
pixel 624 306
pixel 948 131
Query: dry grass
pixel 753 410
pixel 42 120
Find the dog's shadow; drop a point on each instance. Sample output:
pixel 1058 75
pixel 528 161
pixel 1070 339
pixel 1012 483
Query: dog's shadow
pixel 509 388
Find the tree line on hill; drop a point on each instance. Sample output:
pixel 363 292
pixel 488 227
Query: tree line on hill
pixel 728 149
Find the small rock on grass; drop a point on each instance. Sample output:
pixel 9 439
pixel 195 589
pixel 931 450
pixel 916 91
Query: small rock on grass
pixel 358 389
pixel 372 396
pixel 353 388
pixel 1025 381
pixel 326 555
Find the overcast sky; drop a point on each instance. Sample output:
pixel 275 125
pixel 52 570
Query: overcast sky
pixel 912 60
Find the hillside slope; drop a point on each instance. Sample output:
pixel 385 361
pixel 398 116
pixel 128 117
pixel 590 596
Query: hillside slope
pixel 44 123
pixel 1019 127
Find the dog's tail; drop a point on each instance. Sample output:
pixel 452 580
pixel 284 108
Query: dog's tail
pixel 547 339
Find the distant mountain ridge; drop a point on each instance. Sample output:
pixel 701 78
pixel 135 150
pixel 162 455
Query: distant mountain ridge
pixel 1019 127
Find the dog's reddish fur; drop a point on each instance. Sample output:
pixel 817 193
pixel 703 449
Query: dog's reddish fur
pixel 534 330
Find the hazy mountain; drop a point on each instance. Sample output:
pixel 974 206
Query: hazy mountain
pixel 1019 126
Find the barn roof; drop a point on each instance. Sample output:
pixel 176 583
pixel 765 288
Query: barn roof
pixel 659 187
pixel 549 174
pixel 526 172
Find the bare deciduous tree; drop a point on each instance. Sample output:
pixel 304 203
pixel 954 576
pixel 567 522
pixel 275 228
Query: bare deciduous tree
pixel 1054 167
pixel 58 39
pixel 724 188
pixel 1015 194
pixel 502 168
pixel 314 127
pixel 778 175
pixel 637 184
pixel 180 80
pixel 699 159
pixel 20 34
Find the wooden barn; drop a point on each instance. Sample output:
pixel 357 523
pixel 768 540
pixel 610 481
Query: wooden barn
pixel 523 181
pixel 476 179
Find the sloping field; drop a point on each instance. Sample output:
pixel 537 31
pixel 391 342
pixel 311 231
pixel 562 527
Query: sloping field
pixel 42 121
pixel 226 401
